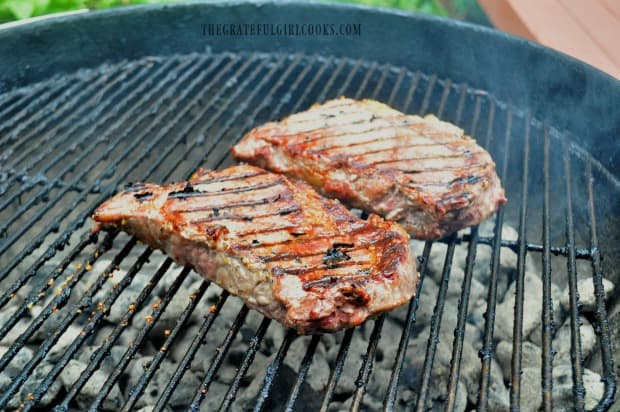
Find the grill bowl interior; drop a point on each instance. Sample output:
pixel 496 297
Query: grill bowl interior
pixel 71 140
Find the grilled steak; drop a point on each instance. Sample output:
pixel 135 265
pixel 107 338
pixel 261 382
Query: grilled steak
pixel 421 172
pixel 289 253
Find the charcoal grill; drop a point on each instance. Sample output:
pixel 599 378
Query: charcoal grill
pixel 93 101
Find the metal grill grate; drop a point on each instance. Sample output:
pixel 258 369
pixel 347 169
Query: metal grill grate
pixel 69 143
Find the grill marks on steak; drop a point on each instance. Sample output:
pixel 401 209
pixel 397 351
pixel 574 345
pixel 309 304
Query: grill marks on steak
pixel 288 252
pixel 421 172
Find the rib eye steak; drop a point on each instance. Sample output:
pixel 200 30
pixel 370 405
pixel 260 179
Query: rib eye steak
pixel 289 253
pixel 420 172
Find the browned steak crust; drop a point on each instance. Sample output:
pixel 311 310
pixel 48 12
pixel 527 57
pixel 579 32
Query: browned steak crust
pixel 288 252
pixel 421 172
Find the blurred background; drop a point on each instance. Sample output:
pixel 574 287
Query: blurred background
pixel 10 10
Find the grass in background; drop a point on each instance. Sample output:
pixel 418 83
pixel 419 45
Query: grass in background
pixel 424 6
pixel 22 9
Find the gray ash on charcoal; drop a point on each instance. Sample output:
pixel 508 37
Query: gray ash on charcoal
pixel 140 315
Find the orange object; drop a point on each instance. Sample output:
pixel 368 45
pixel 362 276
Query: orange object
pixel 586 30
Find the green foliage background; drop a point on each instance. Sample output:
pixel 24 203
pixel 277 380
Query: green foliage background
pixel 21 9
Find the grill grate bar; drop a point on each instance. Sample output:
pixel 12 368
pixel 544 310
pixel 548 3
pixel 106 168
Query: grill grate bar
pixel 87 239
pixel 347 82
pixel 250 353
pixel 368 360
pixel 273 369
pixel 65 112
pixel 444 98
pixel 365 81
pixel 248 359
pixel 213 99
pixel 547 314
pixel 77 179
pixel 294 86
pixel 87 134
pixel 330 82
pixel 41 101
pixel 47 184
pixel 88 330
pixel 57 302
pixel 433 338
pixel 427 95
pixel 215 366
pixel 583 254
pixel 311 85
pixel 53 338
pixel 602 325
pixel 56 222
pixel 255 91
pixel 384 74
pixel 190 355
pixel 144 331
pixel 487 349
pixel 221 352
pixel 461 105
pixel 412 89
pixel 277 362
pixel 110 190
pixel 191 352
pixel 146 377
pixel 390 396
pixel 397 84
pixel 459 332
pixel 517 341
pixel 486 353
pixel 10 103
pixel 84 112
pixel 576 354
pixel 337 369
pixel 367 364
pixel 104 351
pixel 160 160
pixel 59 242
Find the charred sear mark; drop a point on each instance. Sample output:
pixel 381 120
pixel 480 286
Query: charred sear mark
pixel 216 212
pixel 343 245
pixel 181 194
pixel 321 283
pixel 355 295
pixel 335 255
pixel 134 186
pixel 285 212
pixel 143 196
pixel 471 179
